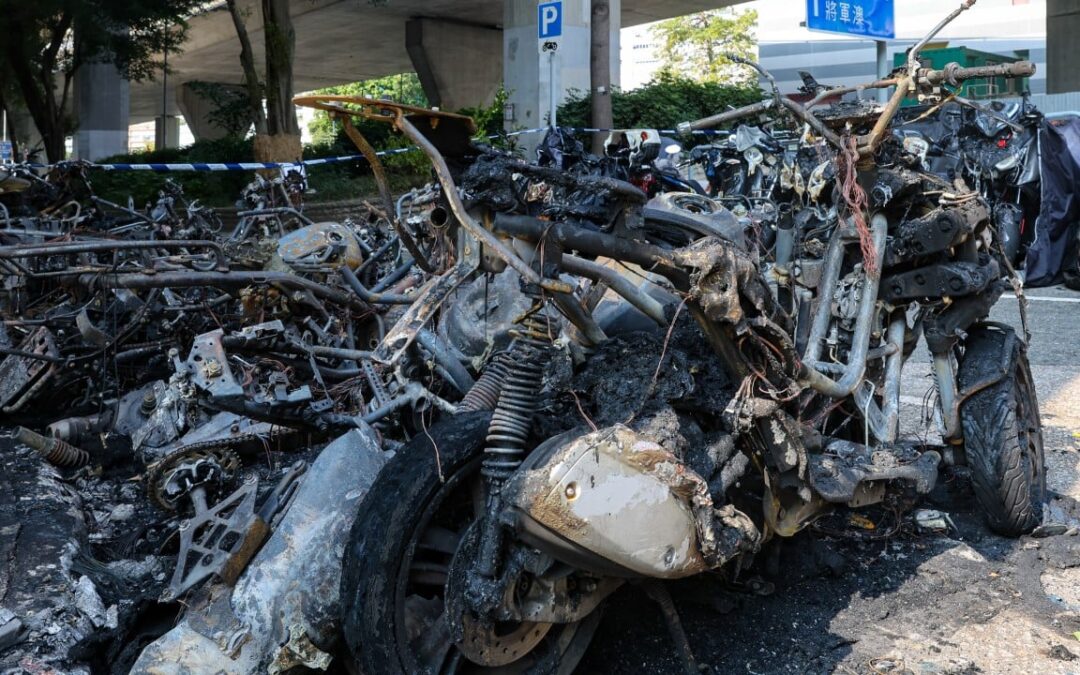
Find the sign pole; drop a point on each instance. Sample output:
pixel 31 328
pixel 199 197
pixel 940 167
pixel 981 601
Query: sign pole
pixel 551 87
pixel 549 21
pixel 882 68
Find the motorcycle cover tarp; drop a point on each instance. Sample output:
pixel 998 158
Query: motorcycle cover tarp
pixel 1054 250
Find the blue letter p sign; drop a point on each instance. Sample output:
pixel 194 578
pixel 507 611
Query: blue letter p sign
pixel 549 20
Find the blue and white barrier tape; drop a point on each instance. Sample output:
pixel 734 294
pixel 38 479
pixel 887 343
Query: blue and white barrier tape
pixel 257 166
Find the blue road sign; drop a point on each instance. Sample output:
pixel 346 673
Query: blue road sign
pixel 5 152
pixel 864 18
pixel 549 20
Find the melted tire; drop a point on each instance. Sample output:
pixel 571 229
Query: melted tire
pixel 1002 432
pixel 400 505
pixel 388 517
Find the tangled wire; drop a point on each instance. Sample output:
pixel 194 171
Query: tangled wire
pixel 855 200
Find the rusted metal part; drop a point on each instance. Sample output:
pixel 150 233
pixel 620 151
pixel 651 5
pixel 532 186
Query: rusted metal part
pixel 428 300
pixel 618 283
pixel 599 491
pixel 397 114
pixel 385 194
pixel 54 450
pixel 467 221
pixel 660 596
pixel 212 537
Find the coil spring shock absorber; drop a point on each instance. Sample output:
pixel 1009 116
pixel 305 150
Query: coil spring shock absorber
pixel 484 395
pixel 511 423
pixel 512 419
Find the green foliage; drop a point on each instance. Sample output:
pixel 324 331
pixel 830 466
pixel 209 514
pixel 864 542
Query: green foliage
pixel 231 109
pixel 662 103
pixel 403 88
pixel 695 46
pixel 330 182
pixel 46 41
pixel 489 120
pixel 212 188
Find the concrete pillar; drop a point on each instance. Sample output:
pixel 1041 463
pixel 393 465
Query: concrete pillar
pixel 460 65
pixel 1062 48
pixel 102 108
pixel 526 72
pixel 197 108
pixel 166 132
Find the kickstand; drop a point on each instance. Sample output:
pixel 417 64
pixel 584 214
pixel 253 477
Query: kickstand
pixel 659 594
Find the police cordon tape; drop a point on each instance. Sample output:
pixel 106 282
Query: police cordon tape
pixel 258 166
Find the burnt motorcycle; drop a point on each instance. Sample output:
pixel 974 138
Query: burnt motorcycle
pixel 490 541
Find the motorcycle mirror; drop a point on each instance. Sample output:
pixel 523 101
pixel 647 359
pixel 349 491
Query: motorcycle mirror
pixel 673 149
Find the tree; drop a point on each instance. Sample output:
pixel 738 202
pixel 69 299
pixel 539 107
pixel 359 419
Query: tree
pixel 600 71
pixel 662 103
pixel 694 46
pixel 45 42
pixel 277 133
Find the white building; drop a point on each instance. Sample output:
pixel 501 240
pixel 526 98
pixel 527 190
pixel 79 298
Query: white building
pixel 785 47
pixel 997 26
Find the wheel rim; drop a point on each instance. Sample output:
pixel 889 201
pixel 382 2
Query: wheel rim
pixel 423 636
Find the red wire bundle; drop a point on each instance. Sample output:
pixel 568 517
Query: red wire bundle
pixel 855 199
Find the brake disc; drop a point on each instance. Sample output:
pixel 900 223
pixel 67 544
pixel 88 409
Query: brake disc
pixel 483 641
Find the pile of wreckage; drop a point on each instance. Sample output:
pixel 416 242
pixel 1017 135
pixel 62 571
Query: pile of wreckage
pixel 437 438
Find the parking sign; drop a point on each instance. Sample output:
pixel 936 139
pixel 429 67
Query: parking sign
pixel 863 18
pixel 549 21
pixel 5 152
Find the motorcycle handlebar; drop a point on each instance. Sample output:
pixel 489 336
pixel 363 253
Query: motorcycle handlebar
pixel 953 74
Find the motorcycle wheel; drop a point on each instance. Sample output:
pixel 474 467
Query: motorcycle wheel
pixel 1003 433
pixel 396 563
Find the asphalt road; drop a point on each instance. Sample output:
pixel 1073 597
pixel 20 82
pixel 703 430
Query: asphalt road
pixel 914 602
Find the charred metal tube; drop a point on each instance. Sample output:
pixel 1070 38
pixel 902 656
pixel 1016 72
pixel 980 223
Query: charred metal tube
pixel 724 117
pixel 337 352
pixel 571 308
pixel 883 422
pixel 54 450
pixel 33 251
pixel 440 351
pixel 946 382
pixel 913 55
pixel 953 74
pixel 276 211
pixel 371 297
pixel 378 254
pixel 572 238
pixel 648 305
pixel 385 195
pixel 834 257
pixel 467 221
pixel 856 366
pixel 893 367
pixel 392 278
pixel 233 279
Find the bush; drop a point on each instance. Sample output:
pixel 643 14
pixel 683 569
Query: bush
pixel 330 182
pixel 660 104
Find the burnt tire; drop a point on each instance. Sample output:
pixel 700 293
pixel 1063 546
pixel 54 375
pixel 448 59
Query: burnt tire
pixel 413 493
pixel 1002 431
